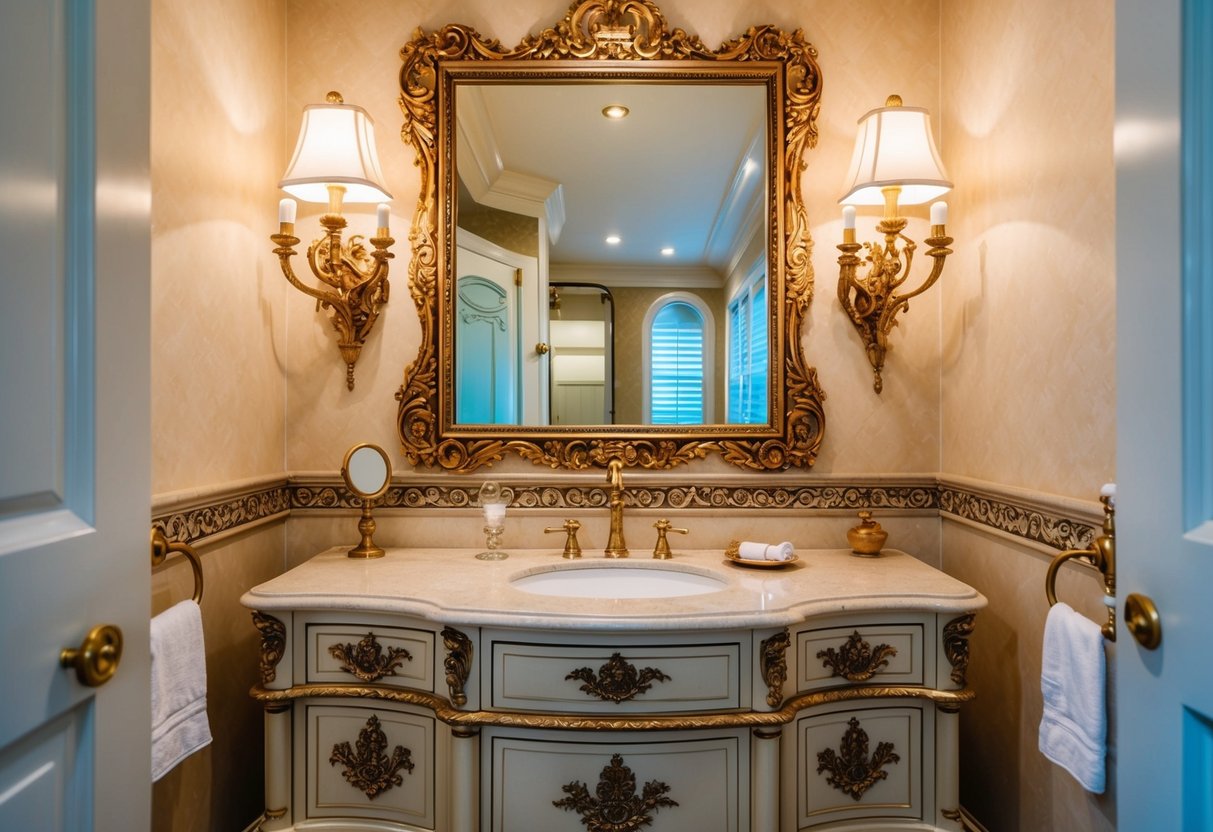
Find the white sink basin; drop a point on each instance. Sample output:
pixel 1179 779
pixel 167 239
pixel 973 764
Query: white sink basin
pixel 618 582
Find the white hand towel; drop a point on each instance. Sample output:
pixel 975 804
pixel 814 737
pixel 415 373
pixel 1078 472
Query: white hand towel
pixel 179 723
pixel 1073 727
pixel 749 550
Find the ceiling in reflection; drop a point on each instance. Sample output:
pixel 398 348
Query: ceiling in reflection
pixel 682 171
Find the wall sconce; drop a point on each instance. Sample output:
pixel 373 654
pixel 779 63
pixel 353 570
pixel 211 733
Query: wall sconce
pixel 894 159
pixel 334 162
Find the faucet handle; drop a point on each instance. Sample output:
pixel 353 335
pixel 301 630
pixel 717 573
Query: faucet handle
pixel 572 549
pixel 662 550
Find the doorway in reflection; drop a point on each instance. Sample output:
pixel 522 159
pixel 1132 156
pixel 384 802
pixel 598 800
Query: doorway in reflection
pixel 581 326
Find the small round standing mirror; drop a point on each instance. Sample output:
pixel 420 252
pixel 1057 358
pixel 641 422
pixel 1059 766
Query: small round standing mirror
pixel 367 473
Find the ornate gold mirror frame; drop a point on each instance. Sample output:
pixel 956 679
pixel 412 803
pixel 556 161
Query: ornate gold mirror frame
pixel 601 40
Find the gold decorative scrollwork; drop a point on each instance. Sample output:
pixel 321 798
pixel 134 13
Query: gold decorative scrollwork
pixel 370 769
pixel 366 659
pixel 273 644
pixel 856 660
pixel 615 806
pixel 457 664
pixel 774 666
pixel 956 645
pixel 635 33
pixel 618 680
pixel 852 771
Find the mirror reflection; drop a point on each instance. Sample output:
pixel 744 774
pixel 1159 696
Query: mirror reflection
pixel 610 253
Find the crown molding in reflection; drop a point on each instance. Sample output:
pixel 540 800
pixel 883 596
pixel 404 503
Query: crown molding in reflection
pixel 1035 518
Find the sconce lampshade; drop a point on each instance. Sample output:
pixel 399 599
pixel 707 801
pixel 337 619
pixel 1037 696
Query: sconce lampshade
pixel 894 146
pixel 336 147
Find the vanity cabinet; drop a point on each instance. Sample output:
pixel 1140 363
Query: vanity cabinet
pixel 429 711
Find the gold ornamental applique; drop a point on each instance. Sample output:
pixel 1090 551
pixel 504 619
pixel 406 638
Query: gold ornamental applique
pixel 618 680
pixel 273 644
pixel 856 660
pixel 956 645
pixel 774 666
pixel 457 664
pixel 366 659
pixel 615 806
pixel 852 771
pixel 371 770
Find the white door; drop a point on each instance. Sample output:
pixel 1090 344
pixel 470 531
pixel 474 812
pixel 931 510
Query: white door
pixel 1164 225
pixel 527 314
pixel 74 415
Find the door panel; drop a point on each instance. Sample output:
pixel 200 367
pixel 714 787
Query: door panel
pixel 1164 103
pixel 75 481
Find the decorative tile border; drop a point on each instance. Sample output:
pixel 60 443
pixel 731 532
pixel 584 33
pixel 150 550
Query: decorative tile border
pixel 1056 523
pixel 223 514
pixel 1029 523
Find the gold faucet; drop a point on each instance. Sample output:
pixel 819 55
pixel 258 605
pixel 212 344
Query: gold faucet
pixel 615 547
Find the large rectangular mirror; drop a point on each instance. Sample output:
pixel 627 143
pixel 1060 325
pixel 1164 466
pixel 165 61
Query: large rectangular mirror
pixel 686 213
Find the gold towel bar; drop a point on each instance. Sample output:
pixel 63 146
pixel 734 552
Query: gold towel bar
pixel 161 548
pixel 1102 554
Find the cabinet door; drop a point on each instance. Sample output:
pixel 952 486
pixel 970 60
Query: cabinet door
pixel 560 782
pixel 367 762
pixel 864 762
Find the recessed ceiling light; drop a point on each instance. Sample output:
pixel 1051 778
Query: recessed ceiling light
pixel 668 251
pixel 615 111
pixel 614 240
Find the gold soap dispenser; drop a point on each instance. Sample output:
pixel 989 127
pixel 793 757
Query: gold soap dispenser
pixel 867 539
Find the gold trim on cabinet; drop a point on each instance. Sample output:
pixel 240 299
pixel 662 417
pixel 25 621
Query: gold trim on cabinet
pixel 590 722
pixel 773 665
pixel 851 770
pixel 457 664
pixel 856 660
pixel 273 644
pixel 615 806
pixel 617 680
pixel 370 769
pixel 635 37
pixel 956 645
pixel 366 659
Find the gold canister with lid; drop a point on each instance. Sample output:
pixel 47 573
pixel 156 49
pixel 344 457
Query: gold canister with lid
pixel 867 539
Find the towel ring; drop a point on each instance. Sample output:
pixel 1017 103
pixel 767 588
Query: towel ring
pixel 162 548
pixel 1102 554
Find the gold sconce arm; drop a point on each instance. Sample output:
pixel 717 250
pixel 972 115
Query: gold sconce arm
pixel 358 278
pixel 872 302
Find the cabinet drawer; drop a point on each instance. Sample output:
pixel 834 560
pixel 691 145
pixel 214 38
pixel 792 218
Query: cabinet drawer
pixel 370 654
pixel 633 678
pixel 878 654
pixel 862 762
pixel 375 763
pixel 547 781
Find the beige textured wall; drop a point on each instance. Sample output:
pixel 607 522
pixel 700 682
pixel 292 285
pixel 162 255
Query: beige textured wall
pixel 218 353
pixel 862 52
pixel 1028 356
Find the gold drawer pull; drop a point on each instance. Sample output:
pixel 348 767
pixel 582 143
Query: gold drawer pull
pixel 856 660
pixel 851 770
pixel 366 659
pixel 614 805
pixel 618 680
pixel 96 661
pixel 369 769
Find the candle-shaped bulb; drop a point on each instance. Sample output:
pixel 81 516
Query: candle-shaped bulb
pixel 286 210
pixel 848 216
pixel 939 213
pixel 382 213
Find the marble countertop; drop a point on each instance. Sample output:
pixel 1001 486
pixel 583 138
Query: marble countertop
pixel 451 587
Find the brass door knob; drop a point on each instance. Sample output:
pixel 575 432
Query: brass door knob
pixel 541 348
pixel 97 659
pixel 1142 620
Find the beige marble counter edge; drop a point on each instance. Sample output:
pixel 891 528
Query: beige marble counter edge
pixel 500 605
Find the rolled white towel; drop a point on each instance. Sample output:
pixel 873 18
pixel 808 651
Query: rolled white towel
pixel 749 550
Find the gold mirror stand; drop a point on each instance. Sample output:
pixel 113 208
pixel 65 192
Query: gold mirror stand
pixel 354 472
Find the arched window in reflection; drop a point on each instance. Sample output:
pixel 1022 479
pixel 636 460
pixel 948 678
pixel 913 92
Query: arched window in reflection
pixel 679 334
pixel 748 351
